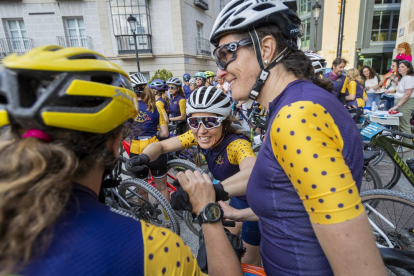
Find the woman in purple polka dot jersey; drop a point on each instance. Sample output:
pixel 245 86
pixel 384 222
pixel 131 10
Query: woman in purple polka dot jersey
pixel 304 186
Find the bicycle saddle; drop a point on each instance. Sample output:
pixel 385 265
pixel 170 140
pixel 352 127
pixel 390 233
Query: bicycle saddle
pixel 369 155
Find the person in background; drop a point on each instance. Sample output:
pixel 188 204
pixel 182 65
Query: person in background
pixel 318 62
pixel 177 104
pixel 339 81
pixel 200 79
pixel 371 83
pixel 138 81
pixel 162 101
pixel 223 85
pixel 389 83
pixel 405 98
pixel 355 95
pixel 404 52
pixel 210 78
pixel 158 85
pixel 193 84
pixel 186 86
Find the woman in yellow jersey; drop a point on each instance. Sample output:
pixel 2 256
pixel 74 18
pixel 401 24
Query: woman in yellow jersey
pixel 159 88
pixel 177 104
pixel 144 131
pixel 355 96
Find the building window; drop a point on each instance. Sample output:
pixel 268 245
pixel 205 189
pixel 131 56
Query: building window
pixel 17 35
pixel 199 34
pixel 306 33
pixel 385 26
pixel 305 6
pixel 120 11
pixel 387 2
pixel 75 28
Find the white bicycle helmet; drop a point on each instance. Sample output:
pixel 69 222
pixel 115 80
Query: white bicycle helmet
pixel 192 81
pixel 318 62
pixel 175 81
pixel 209 99
pixel 138 79
pixel 246 15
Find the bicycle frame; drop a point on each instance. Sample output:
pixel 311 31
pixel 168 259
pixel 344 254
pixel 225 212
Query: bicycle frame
pixel 386 143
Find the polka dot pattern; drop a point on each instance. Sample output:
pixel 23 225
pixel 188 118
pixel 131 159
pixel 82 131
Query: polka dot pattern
pixel 187 139
pixel 327 198
pixel 238 150
pixel 166 254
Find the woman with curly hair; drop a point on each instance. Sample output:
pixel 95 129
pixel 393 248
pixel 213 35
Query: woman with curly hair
pixel 370 83
pixel 404 52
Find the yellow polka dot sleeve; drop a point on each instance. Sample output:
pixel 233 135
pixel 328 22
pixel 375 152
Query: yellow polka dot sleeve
pixel 308 146
pixel 187 139
pixel 343 90
pixel 160 107
pixel 238 150
pixel 182 104
pixel 352 86
pixel 160 112
pixel 166 254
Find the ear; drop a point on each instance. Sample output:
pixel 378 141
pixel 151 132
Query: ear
pixel 268 48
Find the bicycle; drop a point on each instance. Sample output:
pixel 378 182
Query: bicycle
pixel 391 215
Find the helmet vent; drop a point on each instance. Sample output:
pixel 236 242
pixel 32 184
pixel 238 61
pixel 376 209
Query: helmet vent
pixel 235 5
pixel 242 9
pixel 225 19
pixel 237 22
pixel 105 79
pixel 264 7
pixel 87 56
pixel 3 99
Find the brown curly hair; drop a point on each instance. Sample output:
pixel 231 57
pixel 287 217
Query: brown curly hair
pixel 406 47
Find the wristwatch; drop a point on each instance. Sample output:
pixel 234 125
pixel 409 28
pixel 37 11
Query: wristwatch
pixel 212 212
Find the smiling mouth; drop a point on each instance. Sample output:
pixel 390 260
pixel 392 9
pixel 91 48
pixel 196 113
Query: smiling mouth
pixel 204 138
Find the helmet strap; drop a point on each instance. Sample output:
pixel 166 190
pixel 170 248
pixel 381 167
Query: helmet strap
pixel 264 70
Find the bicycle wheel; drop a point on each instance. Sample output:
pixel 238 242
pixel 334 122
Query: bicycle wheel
pixel 148 204
pixel 391 215
pixel 389 173
pixel 173 168
pixel 370 179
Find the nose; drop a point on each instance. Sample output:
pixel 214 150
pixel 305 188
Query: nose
pixel 221 74
pixel 202 129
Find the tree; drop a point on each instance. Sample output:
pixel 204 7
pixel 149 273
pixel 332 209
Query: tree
pixel 161 74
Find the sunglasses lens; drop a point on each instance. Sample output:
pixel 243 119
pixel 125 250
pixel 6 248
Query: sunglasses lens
pixel 211 122
pixel 193 122
pixel 223 57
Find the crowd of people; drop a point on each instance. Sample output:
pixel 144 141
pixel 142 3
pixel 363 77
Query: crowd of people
pixel 68 109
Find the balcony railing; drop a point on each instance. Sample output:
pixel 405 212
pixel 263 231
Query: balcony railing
pixel 203 46
pixel 74 41
pixel 126 44
pixel 201 4
pixel 19 45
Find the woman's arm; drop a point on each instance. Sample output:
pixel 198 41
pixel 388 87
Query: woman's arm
pixel 164 131
pixel 350 247
pixel 236 184
pixel 407 95
pixel 154 150
pixel 351 91
pixel 238 215
pixel 183 116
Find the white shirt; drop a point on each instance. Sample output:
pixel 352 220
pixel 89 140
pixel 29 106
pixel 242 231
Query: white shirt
pixel 371 83
pixel 406 82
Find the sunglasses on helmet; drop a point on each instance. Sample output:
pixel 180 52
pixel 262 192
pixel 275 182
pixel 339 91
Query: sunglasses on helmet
pixel 226 53
pixel 208 122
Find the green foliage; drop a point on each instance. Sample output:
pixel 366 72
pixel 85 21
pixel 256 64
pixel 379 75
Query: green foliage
pixel 161 74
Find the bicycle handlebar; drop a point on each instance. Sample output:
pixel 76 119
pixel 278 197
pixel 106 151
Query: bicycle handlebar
pixel 405 135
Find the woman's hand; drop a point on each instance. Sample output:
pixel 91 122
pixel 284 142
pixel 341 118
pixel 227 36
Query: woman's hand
pixel 376 87
pixel 228 211
pixel 368 88
pixel 394 108
pixel 199 188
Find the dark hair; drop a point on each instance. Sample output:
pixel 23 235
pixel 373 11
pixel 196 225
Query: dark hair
pixel 409 65
pixel 397 61
pixel 295 62
pixel 148 98
pixel 371 70
pixel 338 61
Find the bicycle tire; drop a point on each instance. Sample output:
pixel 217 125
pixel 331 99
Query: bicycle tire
pixel 187 165
pixel 395 178
pixel 377 202
pixel 397 271
pixel 156 195
pixel 370 179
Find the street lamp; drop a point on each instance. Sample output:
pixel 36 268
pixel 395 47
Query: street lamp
pixel 132 21
pixel 316 9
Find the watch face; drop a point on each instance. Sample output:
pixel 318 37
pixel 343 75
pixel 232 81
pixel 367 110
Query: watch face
pixel 212 212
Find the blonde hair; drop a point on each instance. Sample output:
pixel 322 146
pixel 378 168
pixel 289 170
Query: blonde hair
pixel 353 75
pixel 35 185
pixel 165 97
pixel 406 47
pixel 148 98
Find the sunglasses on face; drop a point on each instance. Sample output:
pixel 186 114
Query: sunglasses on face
pixel 199 78
pixel 226 53
pixel 172 87
pixel 208 122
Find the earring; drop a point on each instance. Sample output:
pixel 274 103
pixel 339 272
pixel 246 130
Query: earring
pixel 266 62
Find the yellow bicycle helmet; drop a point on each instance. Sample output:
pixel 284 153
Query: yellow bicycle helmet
pixel 209 74
pixel 70 88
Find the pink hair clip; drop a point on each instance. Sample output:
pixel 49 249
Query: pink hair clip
pixel 39 134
